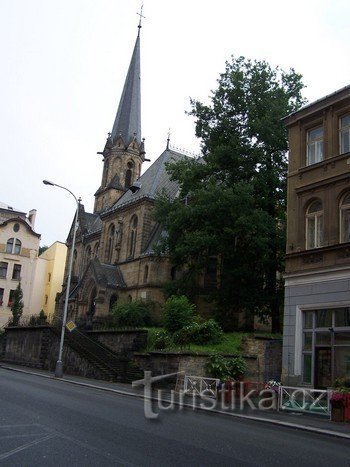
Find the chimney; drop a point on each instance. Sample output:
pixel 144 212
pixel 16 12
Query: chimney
pixel 31 217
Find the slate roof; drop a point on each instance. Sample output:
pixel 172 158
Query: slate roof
pixel 128 119
pixel 107 275
pixel 155 180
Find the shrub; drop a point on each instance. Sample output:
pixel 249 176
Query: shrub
pixel 224 368
pixel 178 313
pixel 207 332
pixel 161 340
pixel 133 314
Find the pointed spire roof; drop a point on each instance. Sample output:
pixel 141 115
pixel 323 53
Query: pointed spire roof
pixel 127 122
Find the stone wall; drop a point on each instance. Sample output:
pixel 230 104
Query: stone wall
pixel 37 347
pixel 123 342
pixel 268 353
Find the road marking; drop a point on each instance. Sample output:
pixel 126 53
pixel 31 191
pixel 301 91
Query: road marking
pixel 8 454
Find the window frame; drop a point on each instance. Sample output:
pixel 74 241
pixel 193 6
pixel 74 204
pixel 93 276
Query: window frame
pixel 3 268
pixel 342 208
pixel 342 130
pixel 318 218
pixel 315 143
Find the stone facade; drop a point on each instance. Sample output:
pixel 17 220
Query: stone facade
pixel 318 243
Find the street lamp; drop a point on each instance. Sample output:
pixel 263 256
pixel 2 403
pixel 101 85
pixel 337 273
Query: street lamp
pixel 59 366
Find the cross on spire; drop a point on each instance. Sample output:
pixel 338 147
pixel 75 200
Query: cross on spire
pixel 141 16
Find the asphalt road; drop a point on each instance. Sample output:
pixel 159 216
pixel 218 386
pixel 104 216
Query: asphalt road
pixel 45 422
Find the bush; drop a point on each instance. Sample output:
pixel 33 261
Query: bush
pixel 133 314
pixel 178 313
pixel 161 340
pixel 224 368
pixel 207 332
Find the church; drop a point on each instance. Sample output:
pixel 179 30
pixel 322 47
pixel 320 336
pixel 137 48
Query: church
pixel 114 257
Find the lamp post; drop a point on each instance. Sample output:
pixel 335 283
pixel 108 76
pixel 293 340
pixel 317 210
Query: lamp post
pixel 59 366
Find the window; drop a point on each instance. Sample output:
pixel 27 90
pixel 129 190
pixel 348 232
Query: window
pixel 3 269
pixel 110 243
pixel 344 134
pixel 49 277
pixel 314 225
pixel 314 143
pixel 87 255
pixel 16 274
pixel 9 245
pixel 132 237
pixel 1 295
pixel 96 249
pixel 13 246
pixel 46 299
pixel 345 219
pixel 128 174
pixel 325 345
pixel 18 245
pixel 16 227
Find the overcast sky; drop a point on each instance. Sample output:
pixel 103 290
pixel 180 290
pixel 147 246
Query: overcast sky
pixel 64 64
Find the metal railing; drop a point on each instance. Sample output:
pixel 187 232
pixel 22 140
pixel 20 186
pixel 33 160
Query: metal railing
pixel 198 385
pixel 304 400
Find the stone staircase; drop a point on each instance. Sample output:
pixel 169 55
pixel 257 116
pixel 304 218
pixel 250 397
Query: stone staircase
pixel 116 368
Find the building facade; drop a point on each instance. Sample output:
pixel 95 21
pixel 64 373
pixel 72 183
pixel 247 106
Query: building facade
pixel 19 247
pixel 316 342
pixel 49 279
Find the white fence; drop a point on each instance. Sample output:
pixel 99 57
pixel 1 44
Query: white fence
pixel 304 400
pixel 198 385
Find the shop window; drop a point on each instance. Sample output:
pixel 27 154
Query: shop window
pixel 342 317
pixel 314 144
pixel 344 134
pixel 323 319
pixel 345 219
pixel 3 269
pixel 307 368
pixel 314 225
pixel 16 274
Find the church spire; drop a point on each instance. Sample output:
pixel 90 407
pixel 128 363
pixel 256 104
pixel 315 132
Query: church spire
pixel 127 122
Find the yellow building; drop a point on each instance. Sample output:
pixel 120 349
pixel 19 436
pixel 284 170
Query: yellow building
pixel 49 278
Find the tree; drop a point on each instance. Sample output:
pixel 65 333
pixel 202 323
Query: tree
pixel 232 201
pixel 17 305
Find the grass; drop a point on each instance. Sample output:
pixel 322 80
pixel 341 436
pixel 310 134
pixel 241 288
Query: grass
pixel 231 343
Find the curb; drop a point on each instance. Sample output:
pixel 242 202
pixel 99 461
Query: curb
pixel 296 426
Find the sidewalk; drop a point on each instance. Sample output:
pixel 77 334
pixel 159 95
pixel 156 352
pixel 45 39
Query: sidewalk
pixel 313 423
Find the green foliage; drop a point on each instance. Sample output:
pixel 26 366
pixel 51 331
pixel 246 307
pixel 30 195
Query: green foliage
pixel 178 312
pixel 208 332
pixel 42 249
pixel 38 320
pixel 342 385
pixel 236 198
pixel 17 305
pixel 224 368
pixel 162 340
pixel 133 314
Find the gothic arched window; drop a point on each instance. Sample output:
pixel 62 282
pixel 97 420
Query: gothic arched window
pixel 132 236
pixel 345 218
pixel 128 174
pixel 314 225
pixel 87 255
pixel 112 301
pixel 110 243
pixel 96 249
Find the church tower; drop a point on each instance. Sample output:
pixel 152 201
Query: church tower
pixel 124 150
